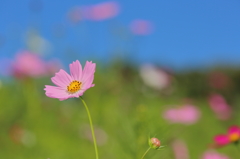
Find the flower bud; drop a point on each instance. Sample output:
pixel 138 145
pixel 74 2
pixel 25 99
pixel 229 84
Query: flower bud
pixel 154 143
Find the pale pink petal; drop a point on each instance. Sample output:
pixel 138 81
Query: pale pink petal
pixel 56 92
pixel 80 92
pixel 210 154
pixel 180 149
pixel 69 96
pixel 221 139
pixel 171 115
pixel 61 99
pixel 62 79
pixel 88 83
pixel 88 71
pixel 189 114
pixel 76 70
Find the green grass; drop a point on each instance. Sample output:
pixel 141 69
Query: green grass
pixel 124 111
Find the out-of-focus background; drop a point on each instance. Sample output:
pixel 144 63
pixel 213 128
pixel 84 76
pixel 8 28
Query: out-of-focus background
pixel 169 69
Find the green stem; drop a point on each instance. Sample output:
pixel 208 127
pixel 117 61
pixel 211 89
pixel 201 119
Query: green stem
pixel 237 147
pixel 146 152
pixel 91 125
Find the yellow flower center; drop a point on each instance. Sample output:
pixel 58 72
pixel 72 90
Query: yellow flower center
pixel 74 86
pixel 234 137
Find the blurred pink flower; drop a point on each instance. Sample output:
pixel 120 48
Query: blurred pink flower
pixel 102 11
pixel 101 135
pixel 73 85
pixel 28 64
pixel 180 149
pixel 186 114
pixel 210 154
pixel 154 77
pixel 233 136
pixel 53 66
pixel 141 27
pixel 219 80
pixel 220 107
pixel 75 14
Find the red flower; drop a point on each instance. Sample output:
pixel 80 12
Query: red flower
pixel 233 136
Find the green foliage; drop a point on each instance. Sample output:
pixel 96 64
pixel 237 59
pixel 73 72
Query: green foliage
pixel 124 113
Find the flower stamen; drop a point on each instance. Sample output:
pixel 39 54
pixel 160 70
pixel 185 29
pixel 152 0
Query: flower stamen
pixel 234 137
pixel 74 86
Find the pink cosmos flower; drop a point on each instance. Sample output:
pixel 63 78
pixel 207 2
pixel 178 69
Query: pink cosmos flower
pixel 232 136
pixel 180 149
pixel 28 64
pixel 186 114
pixel 73 85
pixel 220 107
pixel 141 27
pixel 210 154
pixel 102 11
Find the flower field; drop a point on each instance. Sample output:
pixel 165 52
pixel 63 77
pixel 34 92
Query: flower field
pixel 119 79
pixel 186 115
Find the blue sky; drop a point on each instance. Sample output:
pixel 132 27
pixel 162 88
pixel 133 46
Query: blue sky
pixel 187 33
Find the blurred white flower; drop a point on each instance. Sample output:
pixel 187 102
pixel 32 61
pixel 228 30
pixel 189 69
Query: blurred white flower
pixel 37 43
pixel 101 135
pixel 28 138
pixel 154 77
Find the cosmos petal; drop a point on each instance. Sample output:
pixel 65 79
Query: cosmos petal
pixel 61 79
pixel 222 139
pixel 234 129
pixel 56 92
pixel 80 93
pixel 88 83
pixel 76 70
pixel 88 71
